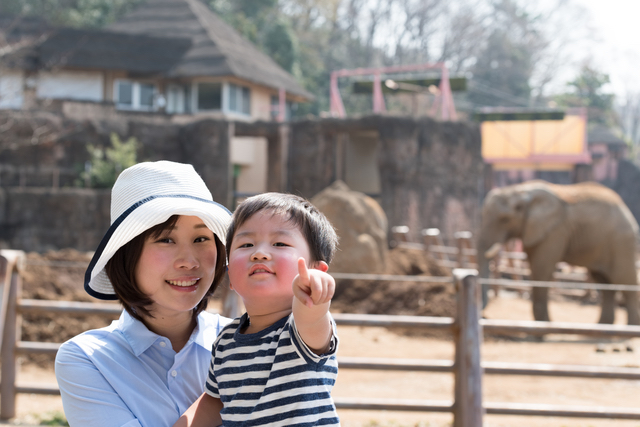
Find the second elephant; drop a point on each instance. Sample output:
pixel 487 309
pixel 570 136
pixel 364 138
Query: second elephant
pixel 582 224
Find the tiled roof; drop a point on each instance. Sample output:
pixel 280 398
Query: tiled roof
pixel 217 49
pixel 17 28
pixel 112 51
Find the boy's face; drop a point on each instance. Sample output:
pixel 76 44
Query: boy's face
pixel 263 261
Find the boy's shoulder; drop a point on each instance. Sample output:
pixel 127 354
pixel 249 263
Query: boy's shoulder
pixel 228 331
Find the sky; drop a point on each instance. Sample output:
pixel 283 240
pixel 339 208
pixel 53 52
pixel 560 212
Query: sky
pixel 617 49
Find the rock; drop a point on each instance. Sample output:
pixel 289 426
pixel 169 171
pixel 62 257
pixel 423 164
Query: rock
pixel 361 225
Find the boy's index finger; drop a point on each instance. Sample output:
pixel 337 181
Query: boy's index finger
pixel 302 270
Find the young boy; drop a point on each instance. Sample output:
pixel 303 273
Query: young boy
pixel 276 364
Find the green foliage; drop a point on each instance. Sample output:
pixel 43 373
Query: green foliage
pixel 73 13
pixel 504 66
pixel 55 418
pixel 587 90
pixel 261 22
pixel 280 43
pixel 106 164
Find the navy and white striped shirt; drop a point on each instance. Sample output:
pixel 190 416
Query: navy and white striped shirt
pixel 272 377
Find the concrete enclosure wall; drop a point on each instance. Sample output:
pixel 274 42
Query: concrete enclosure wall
pixel 424 173
pixel 429 172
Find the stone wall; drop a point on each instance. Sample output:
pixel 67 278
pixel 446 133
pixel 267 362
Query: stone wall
pixel 41 219
pixel 430 171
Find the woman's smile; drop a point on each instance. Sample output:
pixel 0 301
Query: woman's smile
pixel 177 268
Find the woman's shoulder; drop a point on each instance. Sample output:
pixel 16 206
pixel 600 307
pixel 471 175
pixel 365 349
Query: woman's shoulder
pixel 90 344
pixel 93 334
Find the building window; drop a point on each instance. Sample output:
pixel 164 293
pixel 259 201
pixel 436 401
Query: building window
pixel 125 93
pixel 135 96
pixel 239 99
pixel 289 107
pixel 146 95
pixel 209 96
pixel 178 99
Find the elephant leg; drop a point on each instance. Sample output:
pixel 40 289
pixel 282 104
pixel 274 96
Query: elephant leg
pixel 608 298
pixel 607 315
pixel 540 300
pixel 625 273
pixel 542 260
pixel 485 296
pixel 633 309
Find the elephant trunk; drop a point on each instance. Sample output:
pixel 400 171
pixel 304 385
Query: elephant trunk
pixel 487 250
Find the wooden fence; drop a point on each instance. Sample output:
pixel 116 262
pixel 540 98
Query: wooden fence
pixel 467 328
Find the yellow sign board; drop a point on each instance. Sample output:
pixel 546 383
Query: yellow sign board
pixel 535 143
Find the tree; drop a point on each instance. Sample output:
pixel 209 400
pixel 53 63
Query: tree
pixel 587 90
pixel 262 22
pixel 503 69
pixel 73 13
pixel 629 114
pixel 501 74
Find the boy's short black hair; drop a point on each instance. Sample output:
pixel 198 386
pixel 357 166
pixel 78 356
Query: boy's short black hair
pixel 314 226
pixel 122 266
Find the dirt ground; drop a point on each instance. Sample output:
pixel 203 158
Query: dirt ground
pixel 64 282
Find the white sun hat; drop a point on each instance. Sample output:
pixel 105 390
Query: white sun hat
pixel 145 195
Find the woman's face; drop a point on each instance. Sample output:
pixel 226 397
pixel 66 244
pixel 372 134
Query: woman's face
pixel 177 267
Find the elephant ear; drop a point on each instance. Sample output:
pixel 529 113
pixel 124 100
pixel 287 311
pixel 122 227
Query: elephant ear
pixel 544 211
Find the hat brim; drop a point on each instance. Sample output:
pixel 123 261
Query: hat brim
pixel 139 218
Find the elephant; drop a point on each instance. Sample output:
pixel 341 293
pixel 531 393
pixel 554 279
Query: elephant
pixel 585 224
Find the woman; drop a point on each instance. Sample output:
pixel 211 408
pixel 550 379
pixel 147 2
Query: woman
pixel 162 257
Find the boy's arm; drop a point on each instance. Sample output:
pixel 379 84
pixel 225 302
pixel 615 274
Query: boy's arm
pixel 313 290
pixel 205 412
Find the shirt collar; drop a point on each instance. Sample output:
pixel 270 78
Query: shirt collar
pixel 140 338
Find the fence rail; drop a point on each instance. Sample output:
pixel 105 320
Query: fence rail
pixel 467 329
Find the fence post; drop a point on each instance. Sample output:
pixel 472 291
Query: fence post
pixel 56 179
pixel 431 236
pixel 10 336
pixel 463 241
pixel 400 233
pixel 468 409
pixel 5 276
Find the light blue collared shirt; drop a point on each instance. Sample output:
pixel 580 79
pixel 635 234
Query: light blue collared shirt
pixel 127 376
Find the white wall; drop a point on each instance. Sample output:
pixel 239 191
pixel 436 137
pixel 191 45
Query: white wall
pixel 11 95
pixel 251 154
pixel 79 85
pixel 260 103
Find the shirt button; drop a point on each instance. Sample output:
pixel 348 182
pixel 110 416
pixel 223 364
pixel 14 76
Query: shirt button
pixel 163 344
pixel 174 373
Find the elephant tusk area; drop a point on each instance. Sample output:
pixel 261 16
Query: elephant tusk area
pixel 493 251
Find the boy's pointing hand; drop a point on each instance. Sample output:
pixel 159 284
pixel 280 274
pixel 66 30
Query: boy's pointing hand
pixel 313 286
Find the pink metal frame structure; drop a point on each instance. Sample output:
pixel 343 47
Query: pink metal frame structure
pixel 443 100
